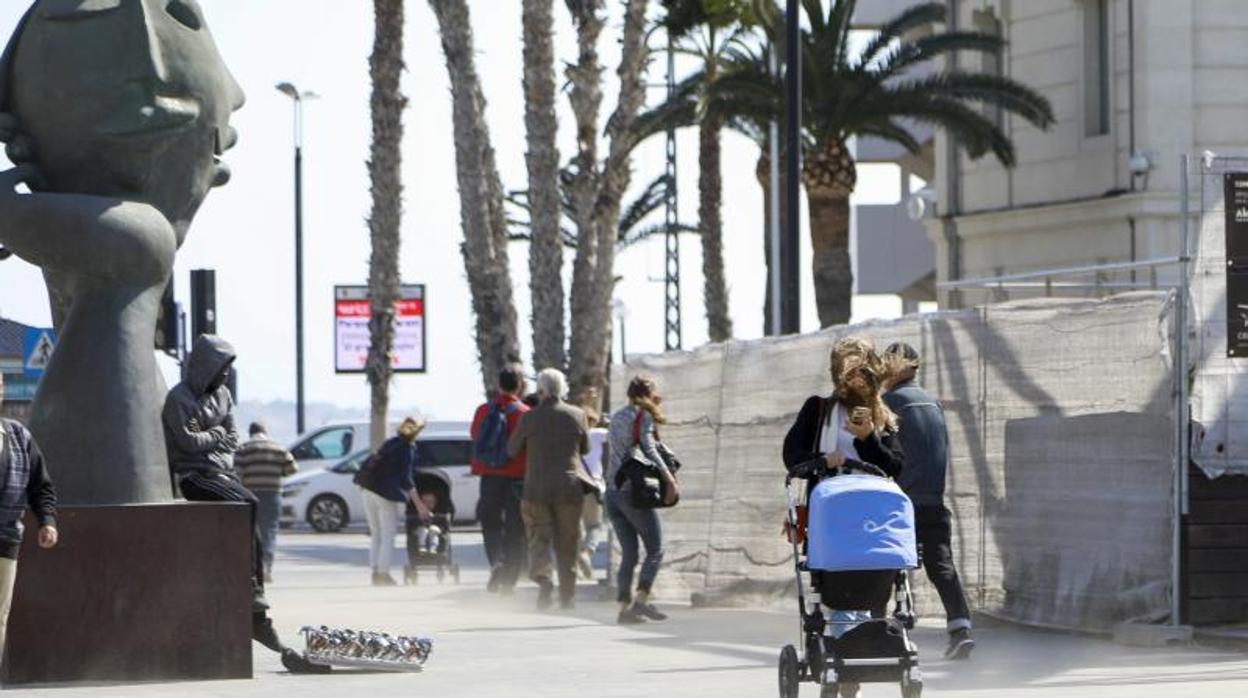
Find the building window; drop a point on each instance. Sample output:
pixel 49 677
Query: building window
pixel 1096 67
pixel 986 22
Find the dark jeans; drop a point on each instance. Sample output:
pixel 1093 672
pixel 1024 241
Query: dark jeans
pixel 502 526
pixel 935 532
pixel 199 487
pixel 632 524
pixel 268 515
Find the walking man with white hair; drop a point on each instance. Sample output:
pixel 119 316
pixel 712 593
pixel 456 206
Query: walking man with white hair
pixel 554 435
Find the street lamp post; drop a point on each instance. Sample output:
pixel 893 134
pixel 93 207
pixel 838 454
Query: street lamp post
pixel 297 96
pixel 790 255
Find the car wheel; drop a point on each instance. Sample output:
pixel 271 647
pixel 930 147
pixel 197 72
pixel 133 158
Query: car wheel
pixel 327 513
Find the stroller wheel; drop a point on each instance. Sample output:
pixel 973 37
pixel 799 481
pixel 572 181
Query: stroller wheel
pixel 789 672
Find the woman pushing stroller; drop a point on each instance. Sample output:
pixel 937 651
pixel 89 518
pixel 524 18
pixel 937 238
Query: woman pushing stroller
pixel 852 430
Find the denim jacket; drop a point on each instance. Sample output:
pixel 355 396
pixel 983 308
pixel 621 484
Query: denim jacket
pixel 925 439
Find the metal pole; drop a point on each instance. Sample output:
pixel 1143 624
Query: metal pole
pixel 774 322
pixel 672 329
pixel 792 241
pixel 1179 507
pixel 299 394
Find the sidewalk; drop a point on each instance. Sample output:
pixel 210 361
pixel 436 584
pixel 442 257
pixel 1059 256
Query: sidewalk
pixel 491 646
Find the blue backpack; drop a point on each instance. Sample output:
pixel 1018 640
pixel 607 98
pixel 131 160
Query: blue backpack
pixel 490 446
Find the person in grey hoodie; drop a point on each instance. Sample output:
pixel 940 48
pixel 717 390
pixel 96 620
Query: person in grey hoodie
pixel 925 439
pixel 201 438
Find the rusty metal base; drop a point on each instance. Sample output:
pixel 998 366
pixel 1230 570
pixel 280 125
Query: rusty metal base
pixel 134 593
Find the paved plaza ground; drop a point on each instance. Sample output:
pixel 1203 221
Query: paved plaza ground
pixel 489 646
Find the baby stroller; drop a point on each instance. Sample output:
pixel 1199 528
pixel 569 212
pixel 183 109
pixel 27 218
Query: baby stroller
pixel 429 543
pixel 861 541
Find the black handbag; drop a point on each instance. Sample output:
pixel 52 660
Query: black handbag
pixel 647 487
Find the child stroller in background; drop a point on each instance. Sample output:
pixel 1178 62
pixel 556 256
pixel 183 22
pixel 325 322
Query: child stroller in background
pixel 856 542
pixel 429 542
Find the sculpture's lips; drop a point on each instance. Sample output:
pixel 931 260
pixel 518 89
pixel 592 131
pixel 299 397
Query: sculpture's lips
pixel 162 114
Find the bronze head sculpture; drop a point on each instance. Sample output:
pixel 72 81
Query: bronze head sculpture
pixel 116 113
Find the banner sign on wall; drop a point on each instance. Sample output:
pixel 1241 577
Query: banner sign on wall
pixel 1235 194
pixel 351 337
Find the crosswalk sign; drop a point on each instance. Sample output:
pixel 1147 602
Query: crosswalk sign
pixel 38 351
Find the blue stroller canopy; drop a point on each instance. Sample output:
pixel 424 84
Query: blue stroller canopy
pixel 860 522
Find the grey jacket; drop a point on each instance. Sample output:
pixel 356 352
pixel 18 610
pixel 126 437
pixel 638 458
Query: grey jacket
pixel 199 412
pixel 622 442
pixel 554 436
pixel 925 439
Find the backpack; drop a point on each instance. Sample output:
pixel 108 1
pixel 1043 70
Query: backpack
pixel 490 446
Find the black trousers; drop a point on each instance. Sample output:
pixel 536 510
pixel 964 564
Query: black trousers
pixel 935 533
pixel 199 487
pixel 502 526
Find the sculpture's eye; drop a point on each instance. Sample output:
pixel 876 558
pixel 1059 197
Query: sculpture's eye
pixel 67 10
pixel 185 12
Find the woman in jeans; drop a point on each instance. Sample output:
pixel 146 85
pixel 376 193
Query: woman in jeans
pixel 387 485
pixel 635 425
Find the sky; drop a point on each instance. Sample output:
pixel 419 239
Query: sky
pixel 245 230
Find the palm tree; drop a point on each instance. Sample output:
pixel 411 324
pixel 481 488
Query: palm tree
pixel 870 93
pixel 481 204
pixel 386 187
pixel 546 250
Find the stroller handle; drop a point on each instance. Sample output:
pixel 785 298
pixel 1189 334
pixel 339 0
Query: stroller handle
pixel 818 468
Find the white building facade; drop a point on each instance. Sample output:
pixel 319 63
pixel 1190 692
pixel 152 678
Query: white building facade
pixel 1134 84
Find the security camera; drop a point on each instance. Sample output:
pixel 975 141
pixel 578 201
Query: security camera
pixel 1140 163
pixel 920 203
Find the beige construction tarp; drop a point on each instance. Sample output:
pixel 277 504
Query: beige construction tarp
pixel 1061 445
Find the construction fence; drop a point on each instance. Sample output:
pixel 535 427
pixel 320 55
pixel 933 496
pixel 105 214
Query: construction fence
pixel 1062 442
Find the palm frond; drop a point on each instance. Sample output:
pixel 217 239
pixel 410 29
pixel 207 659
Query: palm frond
pixel 993 90
pixel 896 28
pixel 649 201
pixel 911 53
pixel 641 234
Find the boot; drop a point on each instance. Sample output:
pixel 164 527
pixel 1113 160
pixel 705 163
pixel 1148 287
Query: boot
pixel 262 631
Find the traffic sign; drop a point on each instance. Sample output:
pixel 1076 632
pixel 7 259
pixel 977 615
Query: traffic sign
pixel 37 351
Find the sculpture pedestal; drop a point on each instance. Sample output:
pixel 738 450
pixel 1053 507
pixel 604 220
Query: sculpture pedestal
pixel 134 593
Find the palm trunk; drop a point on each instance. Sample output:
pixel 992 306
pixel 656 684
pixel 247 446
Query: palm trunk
pixel 585 77
pixel 588 361
pixel 710 223
pixel 546 249
pixel 762 171
pixel 480 198
pixel 386 187
pixel 830 177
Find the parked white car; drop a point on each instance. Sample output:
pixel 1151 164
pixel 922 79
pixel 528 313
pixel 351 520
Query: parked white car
pixel 323 494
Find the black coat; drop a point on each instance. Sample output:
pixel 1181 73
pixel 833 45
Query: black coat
pixel 801 445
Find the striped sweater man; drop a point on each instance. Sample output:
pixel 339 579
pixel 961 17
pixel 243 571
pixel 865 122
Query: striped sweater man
pixel 262 463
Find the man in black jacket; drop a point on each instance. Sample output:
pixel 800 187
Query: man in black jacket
pixel 201 437
pixel 925 439
pixel 24 482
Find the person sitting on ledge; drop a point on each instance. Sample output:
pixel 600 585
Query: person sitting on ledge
pixel 201 438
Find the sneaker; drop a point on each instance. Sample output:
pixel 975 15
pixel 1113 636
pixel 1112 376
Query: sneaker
pixel 296 663
pixel 960 644
pixel 495 583
pixel 649 611
pixel 381 579
pixel 585 565
pixel 545 594
pixel 630 616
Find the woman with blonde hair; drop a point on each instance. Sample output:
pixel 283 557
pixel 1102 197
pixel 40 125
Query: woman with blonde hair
pixel 852 426
pixel 636 426
pixel 387 481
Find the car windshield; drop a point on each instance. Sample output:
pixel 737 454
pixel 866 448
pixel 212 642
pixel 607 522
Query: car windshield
pixel 350 465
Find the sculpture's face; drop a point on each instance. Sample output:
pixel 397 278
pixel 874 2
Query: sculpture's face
pixel 126 98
